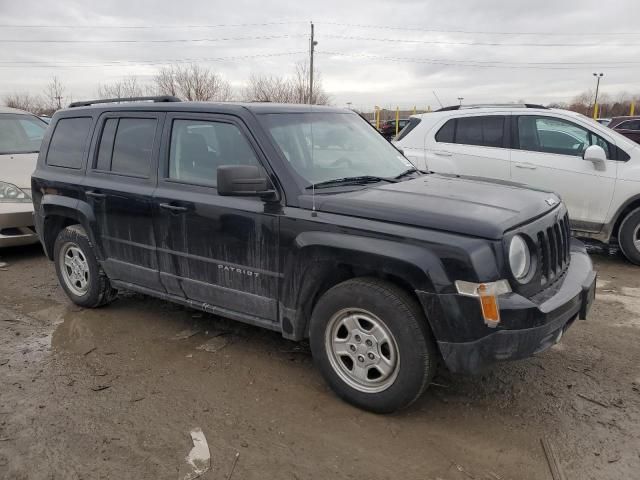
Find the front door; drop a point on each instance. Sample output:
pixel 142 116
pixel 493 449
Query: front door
pixel 218 250
pixel 549 156
pixel 121 178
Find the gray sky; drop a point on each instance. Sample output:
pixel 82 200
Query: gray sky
pixel 424 46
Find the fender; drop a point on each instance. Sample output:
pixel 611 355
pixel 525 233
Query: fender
pixel 66 207
pixel 325 257
pixel 610 228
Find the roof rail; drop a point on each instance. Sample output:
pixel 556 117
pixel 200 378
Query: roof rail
pixel 491 105
pixel 157 99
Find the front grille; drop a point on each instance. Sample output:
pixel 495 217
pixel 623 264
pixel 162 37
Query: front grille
pixel 553 247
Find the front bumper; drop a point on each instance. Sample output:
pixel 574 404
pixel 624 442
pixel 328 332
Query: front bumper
pixel 16 224
pixel 527 327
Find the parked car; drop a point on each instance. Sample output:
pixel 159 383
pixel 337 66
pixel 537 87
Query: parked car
pixel 627 126
pixel 388 128
pixel 20 137
pixel 604 121
pixel 236 210
pixel 595 170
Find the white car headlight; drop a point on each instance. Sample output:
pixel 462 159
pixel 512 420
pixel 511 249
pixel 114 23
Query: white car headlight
pixel 519 257
pixel 9 193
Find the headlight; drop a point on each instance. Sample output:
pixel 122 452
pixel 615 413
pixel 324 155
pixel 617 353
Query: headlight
pixel 11 194
pixel 519 257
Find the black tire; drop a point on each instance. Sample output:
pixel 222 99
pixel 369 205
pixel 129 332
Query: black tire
pixel 98 289
pixel 403 319
pixel 629 235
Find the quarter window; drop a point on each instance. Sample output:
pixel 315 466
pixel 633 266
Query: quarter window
pixel 199 147
pixel 628 125
pixel 68 142
pixel 126 146
pixel 484 131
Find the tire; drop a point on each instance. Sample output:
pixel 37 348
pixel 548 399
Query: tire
pixel 375 318
pixel 629 236
pixel 78 271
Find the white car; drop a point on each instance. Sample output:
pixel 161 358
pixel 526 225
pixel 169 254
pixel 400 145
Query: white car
pixel 593 168
pixel 20 137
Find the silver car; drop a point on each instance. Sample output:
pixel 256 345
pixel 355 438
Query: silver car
pixel 20 137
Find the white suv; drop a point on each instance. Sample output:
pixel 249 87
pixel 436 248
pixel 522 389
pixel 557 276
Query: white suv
pixel 593 168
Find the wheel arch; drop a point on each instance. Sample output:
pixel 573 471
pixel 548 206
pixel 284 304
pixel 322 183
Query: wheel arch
pixel 632 204
pixel 58 212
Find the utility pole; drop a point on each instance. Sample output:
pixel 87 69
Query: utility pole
pixel 59 99
pixel 595 102
pixel 460 100
pixel 312 44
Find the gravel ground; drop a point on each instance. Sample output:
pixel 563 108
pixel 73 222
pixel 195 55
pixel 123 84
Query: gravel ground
pixel 116 392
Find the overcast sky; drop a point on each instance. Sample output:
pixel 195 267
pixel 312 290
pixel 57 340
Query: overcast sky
pixel 369 52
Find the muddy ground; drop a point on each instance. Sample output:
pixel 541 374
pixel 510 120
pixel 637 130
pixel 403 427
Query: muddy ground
pixel 115 392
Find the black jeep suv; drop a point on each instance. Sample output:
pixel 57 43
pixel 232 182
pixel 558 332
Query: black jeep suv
pixel 304 220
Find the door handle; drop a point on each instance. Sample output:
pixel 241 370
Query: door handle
pixel 173 208
pixel 526 166
pixel 93 194
pixel 442 153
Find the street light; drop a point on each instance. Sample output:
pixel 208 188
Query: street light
pixel 460 100
pixel 595 102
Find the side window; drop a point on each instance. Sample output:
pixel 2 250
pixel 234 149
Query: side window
pixel 67 144
pixel 446 132
pixel 199 147
pixel 553 135
pixel 628 125
pixel 484 131
pixel 126 146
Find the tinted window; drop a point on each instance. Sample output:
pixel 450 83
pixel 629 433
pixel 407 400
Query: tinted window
pixel 629 125
pixel 553 135
pixel 445 134
pixel 199 147
pixel 413 123
pixel 106 144
pixel 133 146
pixel 483 131
pixel 67 144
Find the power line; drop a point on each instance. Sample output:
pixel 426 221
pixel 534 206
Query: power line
pixel 220 25
pixel 124 63
pixel 469 63
pixel 491 44
pixel 177 40
pixel 473 32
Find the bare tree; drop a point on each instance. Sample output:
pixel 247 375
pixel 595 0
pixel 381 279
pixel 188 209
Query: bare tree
pixel 25 101
pixel 194 83
pixel 301 85
pixel 53 95
pixel 127 87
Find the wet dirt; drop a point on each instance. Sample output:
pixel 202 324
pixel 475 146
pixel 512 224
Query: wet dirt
pixel 116 392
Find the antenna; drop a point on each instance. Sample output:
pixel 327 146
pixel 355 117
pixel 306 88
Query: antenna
pixel 434 94
pixel 313 186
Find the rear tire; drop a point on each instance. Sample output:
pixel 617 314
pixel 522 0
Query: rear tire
pixel 629 236
pixel 79 273
pixel 372 344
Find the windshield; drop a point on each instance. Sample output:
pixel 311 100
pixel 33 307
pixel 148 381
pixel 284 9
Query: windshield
pixel 20 133
pixel 328 146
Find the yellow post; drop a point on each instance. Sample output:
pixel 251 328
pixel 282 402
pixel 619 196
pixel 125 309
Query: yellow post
pixel 595 111
pixel 397 119
pixel 414 109
pixel 377 117
pixel 632 109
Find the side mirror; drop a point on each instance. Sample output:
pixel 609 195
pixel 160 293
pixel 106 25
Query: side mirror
pixel 596 155
pixel 245 180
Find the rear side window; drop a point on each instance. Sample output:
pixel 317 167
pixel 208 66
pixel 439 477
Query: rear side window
pixel 413 123
pixel 485 131
pixel 447 132
pixel 67 144
pixel 126 146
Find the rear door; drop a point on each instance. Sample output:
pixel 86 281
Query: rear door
pixel 548 155
pixel 471 145
pixel 218 250
pixel 630 129
pixel 120 181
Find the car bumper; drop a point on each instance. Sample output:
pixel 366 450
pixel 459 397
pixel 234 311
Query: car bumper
pixel 16 224
pixel 527 326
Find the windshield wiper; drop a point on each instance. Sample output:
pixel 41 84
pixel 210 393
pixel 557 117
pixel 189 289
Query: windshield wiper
pixel 359 180
pixel 406 172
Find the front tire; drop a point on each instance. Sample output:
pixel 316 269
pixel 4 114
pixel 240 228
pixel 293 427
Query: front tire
pixel 78 270
pixel 372 344
pixel 629 236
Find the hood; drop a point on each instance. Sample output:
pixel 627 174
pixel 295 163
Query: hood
pixel 466 205
pixel 16 168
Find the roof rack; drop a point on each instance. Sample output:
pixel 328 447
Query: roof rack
pixel 492 105
pixel 157 99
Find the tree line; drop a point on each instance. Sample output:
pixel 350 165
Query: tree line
pixel 190 82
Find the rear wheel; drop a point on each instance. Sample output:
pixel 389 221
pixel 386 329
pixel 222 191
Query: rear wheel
pixel 372 344
pixel 78 270
pixel 629 236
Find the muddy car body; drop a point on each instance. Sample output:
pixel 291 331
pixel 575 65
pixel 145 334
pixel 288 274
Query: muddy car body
pixel 235 210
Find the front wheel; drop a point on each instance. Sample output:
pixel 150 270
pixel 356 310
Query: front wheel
pixel 372 344
pixel 629 236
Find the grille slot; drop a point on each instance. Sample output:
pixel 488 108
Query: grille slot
pixel 554 250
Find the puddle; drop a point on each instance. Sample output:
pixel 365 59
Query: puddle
pixel 630 299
